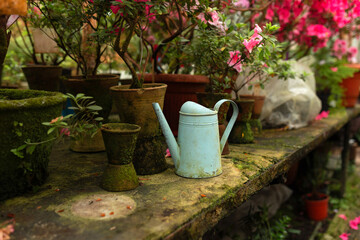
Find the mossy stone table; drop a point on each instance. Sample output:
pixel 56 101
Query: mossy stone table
pixel 71 205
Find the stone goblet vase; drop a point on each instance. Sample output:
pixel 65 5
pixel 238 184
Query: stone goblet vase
pixel 120 141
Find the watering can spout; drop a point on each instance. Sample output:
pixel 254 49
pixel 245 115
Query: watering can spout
pixel 169 137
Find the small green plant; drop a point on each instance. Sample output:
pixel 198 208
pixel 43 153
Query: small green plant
pixel 266 230
pixel 84 122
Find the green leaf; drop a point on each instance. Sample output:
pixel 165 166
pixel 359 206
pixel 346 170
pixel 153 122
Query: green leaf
pixel 17 153
pixel 51 130
pixel 30 149
pixel 94 108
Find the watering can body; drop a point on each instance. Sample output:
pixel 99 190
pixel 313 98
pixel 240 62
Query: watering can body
pixel 198 151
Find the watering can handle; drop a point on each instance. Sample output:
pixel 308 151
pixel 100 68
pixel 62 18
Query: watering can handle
pixel 231 122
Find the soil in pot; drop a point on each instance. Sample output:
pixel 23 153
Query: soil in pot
pixel 42 77
pixel 95 86
pixel 22 113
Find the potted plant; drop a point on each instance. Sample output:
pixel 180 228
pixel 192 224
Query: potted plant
pixel 128 22
pixel 75 34
pixel 82 126
pixel 22 112
pixel 42 72
pixel 316 202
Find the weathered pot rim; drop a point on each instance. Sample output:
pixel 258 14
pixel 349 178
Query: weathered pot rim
pixel 252 96
pixel 308 195
pixel 146 87
pixel 181 78
pixel 43 99
pixel 208 93
pixel 244 100
pixel 120 128
pixel 41 66
pixel 92 77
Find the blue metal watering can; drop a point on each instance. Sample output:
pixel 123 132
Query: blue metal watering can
pixel 198 154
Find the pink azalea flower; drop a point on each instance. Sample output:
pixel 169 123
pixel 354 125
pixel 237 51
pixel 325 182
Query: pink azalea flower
pixel 254 40
pixel 353 224
pixel 342 216
pixel 65 131
pixel 323 114
pixel 269 14
pixel 242 3
pixel 167 153
pixel 334 69
pixel 344 236
pixel 352 52
pixel 318 31
pixel 234 60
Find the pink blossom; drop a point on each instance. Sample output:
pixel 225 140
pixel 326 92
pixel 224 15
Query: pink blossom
pixel 344 236
pixel 342 216
pixel 334 69
pixel 242 3
pixel 269 14
pixel 6 231
pixel 37 11
pixel 235 60
pixel 167 153
pixel 65 131
pixel 352 52
pixel 318 31
pixel 353 224
pixel 323 114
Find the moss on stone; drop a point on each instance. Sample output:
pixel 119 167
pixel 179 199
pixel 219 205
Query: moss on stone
pixel 21 118
pixel 118 178
pixel 241 133
pixel 149 156
pixel 120 141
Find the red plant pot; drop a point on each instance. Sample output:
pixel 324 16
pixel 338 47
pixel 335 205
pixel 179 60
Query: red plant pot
pixel 351 88
pixel 317 209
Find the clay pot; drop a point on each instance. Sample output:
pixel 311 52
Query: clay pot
pixel 135 106
pixel 88 144
pixel 317 209
pixel 242 132
pixel 258 104
pixel 95 86
pixel 120 141
pixel 181 88
pixel 351 88
pixel 42 77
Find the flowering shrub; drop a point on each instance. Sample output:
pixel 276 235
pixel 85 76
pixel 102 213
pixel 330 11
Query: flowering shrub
pixel 311 24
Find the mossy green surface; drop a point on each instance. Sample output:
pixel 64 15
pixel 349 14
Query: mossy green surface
pixel 21 117
pixel 167 206
pixel 120 141
pixel 149 156
pixel 241 133
pixel 117 178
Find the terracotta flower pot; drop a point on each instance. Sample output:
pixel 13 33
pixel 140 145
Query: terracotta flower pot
pixel 120 141
pixel 88 144
pixel 351 88
pixel 258 104
pixel 95 86
pixel 181 88
pixel 42 77
pixel 317 209
pixel 135 106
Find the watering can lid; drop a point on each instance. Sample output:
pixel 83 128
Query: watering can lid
pixel 190 107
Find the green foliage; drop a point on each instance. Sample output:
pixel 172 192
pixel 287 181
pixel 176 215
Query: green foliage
pixel 83 123
pixel 329 73
pixel 274 230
